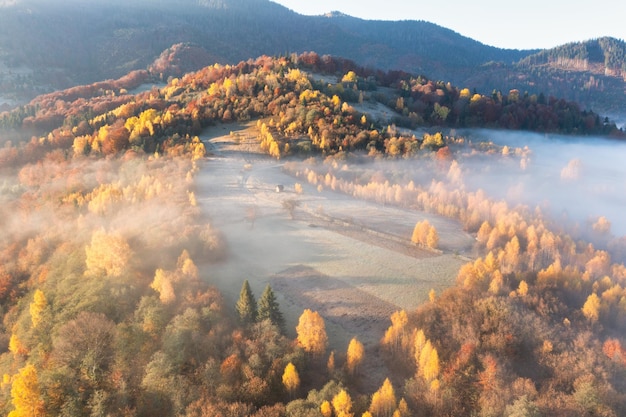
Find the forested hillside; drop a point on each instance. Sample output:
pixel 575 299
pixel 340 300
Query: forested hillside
pixel 47 45
pixel 106 311
pixel 591 73
pixel 66 43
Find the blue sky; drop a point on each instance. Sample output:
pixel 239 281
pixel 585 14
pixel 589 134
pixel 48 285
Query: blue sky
pixel 526 24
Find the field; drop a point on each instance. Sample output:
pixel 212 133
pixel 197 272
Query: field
pixel 350 260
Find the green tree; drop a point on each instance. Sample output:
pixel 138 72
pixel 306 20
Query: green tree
pixel 269 308
pixel 522 407
pixel 246 305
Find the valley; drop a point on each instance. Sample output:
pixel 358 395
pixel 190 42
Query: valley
pixel 356 277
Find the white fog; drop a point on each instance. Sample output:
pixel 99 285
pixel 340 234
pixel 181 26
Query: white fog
pixel 579 178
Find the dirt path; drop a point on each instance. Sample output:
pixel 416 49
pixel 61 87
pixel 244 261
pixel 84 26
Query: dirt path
pixel 355 277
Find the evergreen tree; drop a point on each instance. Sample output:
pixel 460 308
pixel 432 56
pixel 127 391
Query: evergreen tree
pixel 269 308
pixel 246 305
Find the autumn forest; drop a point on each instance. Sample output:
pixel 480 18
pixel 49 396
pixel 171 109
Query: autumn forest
pixel 106 293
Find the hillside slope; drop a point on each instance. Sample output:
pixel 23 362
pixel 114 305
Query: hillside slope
pixel 62 44
pixel 45 46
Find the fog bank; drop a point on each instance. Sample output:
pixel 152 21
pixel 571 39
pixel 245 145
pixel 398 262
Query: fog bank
pixel 580 178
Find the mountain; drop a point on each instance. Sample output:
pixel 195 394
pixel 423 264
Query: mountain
pixel 592 73
pixel 47 45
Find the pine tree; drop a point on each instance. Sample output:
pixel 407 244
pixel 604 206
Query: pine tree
pixel 246 305
pixel 269 308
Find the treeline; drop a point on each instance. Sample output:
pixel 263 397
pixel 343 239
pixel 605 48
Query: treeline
pixel 534 325
pixel 298 106
pixel 609 53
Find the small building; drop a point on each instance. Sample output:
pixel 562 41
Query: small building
pixel 280 188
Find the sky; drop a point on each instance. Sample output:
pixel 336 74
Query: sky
pixel 528 24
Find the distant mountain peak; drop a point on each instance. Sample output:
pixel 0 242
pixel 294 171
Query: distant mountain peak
pixel 336 13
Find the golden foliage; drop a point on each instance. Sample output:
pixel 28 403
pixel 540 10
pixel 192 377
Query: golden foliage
pixel 396 338
pixel 16 346
pixel 342 404
pixel 425 235
pixel 312 332
pixel 383 401
pixel 326 409
pixel 108 254
pixel 25 394
pixel 591 308
pixel 354 355
pixel 291 379
pixel 37 306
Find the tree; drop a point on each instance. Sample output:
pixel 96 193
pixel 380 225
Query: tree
pixel 420 232
pixel 342 404
pixel 425 235
pixel 330 364
pixel 429 362
pixel 37 306
pixel 396 336
pixel 108 254
pixel 432 239
pixel 383 401
pixel 354 355
pixel 291 379
pixel 591 308
pixel 349 77
pixel 290 205
pixel 25 394
pixel 312 332
pixel 326 409
pixel 246 305
pixel 269 308
pixel 162 283
pixel 522 407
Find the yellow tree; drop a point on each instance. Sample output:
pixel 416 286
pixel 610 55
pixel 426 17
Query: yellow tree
pixel 354 355
pixel 383 401
pixel 291 379
pixel 403 408
pixel 108 254
pixel 430 369
pixel 396 334
pixel 420 232
pixel 330 364
pixel 591 308
pixel 342 403
pixel 312 332
pixel 326 409
pixel 37 306
pixel 162 283
pixel 418 345
pixel 432 238
pixel 25 394
pixel 522 290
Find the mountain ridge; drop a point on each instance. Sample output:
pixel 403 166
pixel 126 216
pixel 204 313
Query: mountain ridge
pixel 61 45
